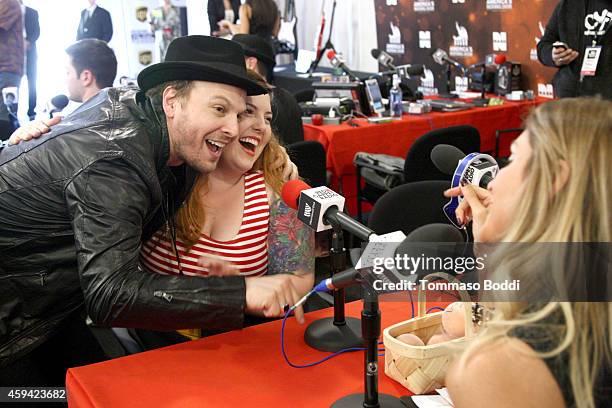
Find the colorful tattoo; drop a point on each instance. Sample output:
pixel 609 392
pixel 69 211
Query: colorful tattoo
pixel 290 242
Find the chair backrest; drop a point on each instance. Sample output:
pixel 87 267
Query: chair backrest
pixel 409 206
pixel 418 165
pixel 309 157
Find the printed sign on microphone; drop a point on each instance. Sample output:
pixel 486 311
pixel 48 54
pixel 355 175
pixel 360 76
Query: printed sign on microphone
pixel 316 201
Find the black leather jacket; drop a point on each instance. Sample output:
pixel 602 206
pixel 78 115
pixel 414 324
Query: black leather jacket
pixel 74 208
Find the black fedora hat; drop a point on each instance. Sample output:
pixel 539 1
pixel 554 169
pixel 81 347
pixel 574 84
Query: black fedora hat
pixel 201 58
pixel 255 46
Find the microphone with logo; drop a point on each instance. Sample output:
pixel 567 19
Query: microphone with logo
pixel 478 169
pixel 56 104
pixel 337 62
pixel 320 209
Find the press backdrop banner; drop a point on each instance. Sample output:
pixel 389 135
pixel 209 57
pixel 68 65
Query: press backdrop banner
pixel 410 30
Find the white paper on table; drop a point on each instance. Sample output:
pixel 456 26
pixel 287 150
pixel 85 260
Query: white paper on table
pixel 430 401
pixel 444 394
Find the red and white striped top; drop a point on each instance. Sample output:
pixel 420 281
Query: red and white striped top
pixel 248 250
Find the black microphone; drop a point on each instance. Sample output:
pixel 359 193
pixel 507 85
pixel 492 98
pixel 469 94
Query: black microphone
pixel 446 157
pixel 320 207
pixel 431 233
pixel 385 59
pixel 406 70
pixel 56 104
pixel 441 57
pixel 479 170
pixel 338 63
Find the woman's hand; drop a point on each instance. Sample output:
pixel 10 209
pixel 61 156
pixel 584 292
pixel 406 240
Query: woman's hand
pixel 269 295
pixel 217 266
pixel 33 130
pixel 473 207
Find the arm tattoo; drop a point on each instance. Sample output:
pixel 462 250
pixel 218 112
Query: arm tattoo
pixel 290 242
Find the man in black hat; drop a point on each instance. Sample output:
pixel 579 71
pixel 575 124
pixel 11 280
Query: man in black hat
pixel 76 208
pixel 286 113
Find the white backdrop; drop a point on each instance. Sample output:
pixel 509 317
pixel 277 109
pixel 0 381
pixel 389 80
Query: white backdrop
pixel 354 31
pixel 354 35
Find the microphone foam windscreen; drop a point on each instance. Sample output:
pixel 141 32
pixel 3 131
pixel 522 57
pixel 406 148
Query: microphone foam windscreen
pixel 331 54
pixel 435 233
pixel 375 53
pixel 291 192
pixel 446 158
pixel 60 101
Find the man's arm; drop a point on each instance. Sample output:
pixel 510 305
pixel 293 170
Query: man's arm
pixel 10 12
pixel 107 27
pixel 108 202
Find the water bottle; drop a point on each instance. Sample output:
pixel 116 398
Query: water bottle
pixel 395 98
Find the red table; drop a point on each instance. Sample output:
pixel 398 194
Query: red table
pixel 240 368
pixel 341 142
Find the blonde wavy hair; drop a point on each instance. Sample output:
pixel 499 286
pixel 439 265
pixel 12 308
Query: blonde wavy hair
pixel 579 132
pixel 190 218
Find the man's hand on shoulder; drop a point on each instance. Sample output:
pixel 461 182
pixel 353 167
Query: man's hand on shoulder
pixel 34 130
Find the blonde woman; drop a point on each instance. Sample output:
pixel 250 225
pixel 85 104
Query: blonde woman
pixel 555 190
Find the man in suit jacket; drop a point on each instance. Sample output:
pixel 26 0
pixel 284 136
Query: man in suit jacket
pixel 95 23
pixel 32 32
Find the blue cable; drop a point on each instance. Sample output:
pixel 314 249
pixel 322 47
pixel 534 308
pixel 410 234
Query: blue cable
pixel 434 308
pixel 337 353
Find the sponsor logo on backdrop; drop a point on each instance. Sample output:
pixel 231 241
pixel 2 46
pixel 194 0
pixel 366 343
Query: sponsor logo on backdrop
pixel 461 47
pixel 428 86
pixel 391 2
pixel 595 23
pixel 145 57
pixel 500 41
pixel 395 45
pixel 461 84
pixel 546 91
pixel 424 6
pixel 458 1
pixel 424 39
pixel 533 55
pixel 142 36
pixel 141 14
pixel 499 4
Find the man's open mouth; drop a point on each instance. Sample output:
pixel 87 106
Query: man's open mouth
pixel 215 146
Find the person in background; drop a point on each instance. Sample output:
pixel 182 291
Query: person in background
pixel 95 22
pixel 166 24
pixel 31 34
pixel 219 10
pixel 580 25
pixel 258 17
pixel 12 57
pixel 91 65
pixel 549 352
pixel 287 115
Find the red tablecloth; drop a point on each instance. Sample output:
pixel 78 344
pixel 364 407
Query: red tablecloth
pixel 240 368
pixel 341 142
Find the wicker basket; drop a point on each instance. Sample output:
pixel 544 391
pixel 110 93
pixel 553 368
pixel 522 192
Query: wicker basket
pixel 422 369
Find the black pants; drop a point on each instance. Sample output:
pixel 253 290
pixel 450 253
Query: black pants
pixel 71 346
